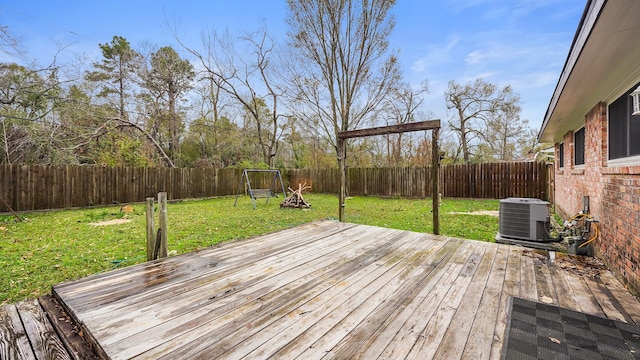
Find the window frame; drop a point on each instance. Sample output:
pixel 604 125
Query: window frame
pixel 561 155
pixel 623 129
pixel 582 131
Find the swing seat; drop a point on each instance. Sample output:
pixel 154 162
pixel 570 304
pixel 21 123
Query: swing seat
pixel 262 193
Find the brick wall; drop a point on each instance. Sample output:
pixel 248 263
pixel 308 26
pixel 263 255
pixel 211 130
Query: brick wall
pixel 614 193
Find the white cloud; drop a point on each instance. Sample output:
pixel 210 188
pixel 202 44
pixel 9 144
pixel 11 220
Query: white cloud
pixel 436 54
pixel 474 57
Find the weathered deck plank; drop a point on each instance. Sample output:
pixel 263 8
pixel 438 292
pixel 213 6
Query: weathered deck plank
pixel 201 292
pixel 230 309
pixel 413 289
pixel 329 290
pixel 585 301
pixel 481 336
pixel 44 341
pixel 544 283
pixel 27 333
pixel 112 287
pixel 510 287
pixel 266 343
pixel 628 303
pixel 528 288
pixel 328 332
pixel 455 339
pixel 433 334
pixel 609 304
pixel 14 342
pixel 295 293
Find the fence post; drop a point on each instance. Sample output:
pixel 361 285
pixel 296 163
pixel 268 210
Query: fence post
pixel 151 239
pixel 157 242
pixel 162 205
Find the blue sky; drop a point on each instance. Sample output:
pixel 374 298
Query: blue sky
pixel 522 43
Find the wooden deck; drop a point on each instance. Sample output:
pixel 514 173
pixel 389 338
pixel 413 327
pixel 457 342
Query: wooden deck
pixel 332 290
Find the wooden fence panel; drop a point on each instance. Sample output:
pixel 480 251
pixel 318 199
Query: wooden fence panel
pixel 26 187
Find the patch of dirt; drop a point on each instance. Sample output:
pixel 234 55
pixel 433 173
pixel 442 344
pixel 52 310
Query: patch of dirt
pixel 111 222
pixel 495 213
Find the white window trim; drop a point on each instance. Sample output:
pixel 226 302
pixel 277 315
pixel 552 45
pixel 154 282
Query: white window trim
pixel 625 161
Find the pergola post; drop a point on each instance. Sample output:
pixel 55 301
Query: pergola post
pixel 435 180
pixel 342 154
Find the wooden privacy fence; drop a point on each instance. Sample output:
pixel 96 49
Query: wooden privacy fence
pixel 489 181
pixel 59 187
pixel 26 188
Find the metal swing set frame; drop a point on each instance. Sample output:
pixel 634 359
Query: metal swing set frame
pixel 258 193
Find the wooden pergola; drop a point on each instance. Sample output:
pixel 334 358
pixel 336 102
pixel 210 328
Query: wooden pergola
pixel 433 125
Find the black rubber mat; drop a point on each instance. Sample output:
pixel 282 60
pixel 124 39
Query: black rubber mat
pixel 541 331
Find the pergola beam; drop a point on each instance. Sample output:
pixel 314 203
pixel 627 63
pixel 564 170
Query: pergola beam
pixel 433 125
pixel 391 129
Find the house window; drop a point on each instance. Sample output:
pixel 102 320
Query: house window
pixel 561 155
pixel 578 146
pixel 624 129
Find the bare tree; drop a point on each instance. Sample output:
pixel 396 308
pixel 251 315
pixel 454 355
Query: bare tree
pixel 400 108
pixel 252 84
pixel 474 104
pixel 8 43
pixel 506 136
pixel 341 68
pixel 27 98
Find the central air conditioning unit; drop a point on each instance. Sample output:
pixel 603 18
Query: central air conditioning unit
pixel 524 219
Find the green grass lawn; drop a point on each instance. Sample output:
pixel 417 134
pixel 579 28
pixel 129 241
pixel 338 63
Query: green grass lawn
pixel 58 246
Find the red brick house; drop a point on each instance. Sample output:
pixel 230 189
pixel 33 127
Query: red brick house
pixel 597 138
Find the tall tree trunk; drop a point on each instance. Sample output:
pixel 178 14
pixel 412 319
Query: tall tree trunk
pixel 175 140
